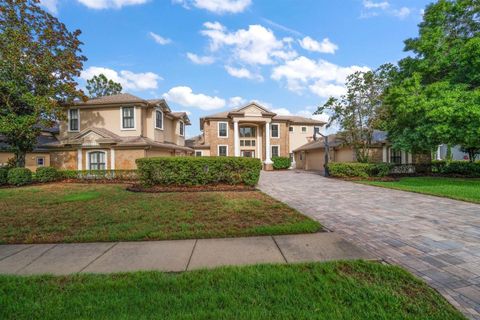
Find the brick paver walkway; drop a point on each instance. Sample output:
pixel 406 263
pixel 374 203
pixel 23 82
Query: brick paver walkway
pixel 437 239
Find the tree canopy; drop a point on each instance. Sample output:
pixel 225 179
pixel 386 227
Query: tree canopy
pixel 100 86
pixel 436 98
pixel 39 60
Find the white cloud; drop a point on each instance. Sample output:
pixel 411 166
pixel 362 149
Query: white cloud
pixel 200 60
pixel 235 102
pixel 184 96
pixel 159 39
pixel 402 13
pixel 107 4
pixel 376 5
pixel 323 78
pixel 50 5
pixel 217 6
pixel 243 73
pixel 326 46
pixel 128 79
pixel 255 45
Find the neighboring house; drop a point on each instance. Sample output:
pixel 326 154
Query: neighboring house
pixel 252 131
pixel 457 154
pixel 311 156
pixel 110 133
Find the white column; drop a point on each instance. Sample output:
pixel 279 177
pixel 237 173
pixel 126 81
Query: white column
pixel 404 157
pixel 79 159
pixel 409 158
pixel 439 152
pixel 112 159
pixel 236 139
pixel 385 154
pixel 268 150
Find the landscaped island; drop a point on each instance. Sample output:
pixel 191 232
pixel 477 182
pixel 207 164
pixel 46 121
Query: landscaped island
pixel 67 212
pixel 334 290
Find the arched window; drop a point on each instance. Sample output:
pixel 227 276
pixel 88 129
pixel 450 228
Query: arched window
pixel 97 160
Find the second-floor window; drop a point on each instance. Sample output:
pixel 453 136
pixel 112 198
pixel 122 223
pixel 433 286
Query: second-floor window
pixel 275 130
pixel 128 118
pixel 158 119
pixel 223 129
pixel 247 132
pixel 73 120
pixel 182 128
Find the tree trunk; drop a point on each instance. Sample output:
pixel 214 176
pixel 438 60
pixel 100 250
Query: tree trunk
pixel 20 159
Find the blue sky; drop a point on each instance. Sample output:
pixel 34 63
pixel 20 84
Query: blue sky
pixel 206 56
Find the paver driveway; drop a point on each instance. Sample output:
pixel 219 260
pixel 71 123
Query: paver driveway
pixel 438 239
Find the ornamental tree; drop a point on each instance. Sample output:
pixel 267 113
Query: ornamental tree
pixel 40 59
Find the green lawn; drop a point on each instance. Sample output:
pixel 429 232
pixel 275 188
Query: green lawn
pixel 334 290
pixel 100 212
pixel 455 188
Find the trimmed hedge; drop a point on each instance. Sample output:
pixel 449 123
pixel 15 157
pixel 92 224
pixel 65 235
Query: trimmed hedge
pixel 19 176
pixel 356 169
pixel 190 171
pixel 46 174
pixel 3 176
pixel 124 175
pixel 463 168
pixel 280 163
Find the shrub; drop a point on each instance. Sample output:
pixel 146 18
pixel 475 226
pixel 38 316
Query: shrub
pixel 3 176
pixel 82 175
pixel 46 174
pixel 199 170
pixel 356 169
pixel 463 168
pixel 280 163
pixel 19 176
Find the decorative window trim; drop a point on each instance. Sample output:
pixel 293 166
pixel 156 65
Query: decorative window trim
pixel 134 119
pixel 218 129
pixel 181 125
pixel 218 150
pixel 271 130
pixel 43 161
pixel 155 119
pixel 92 151
pixel 271 149
pixel 78 119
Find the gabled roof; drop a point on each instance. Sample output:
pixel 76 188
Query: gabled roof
pixel 299 120
pixel 104 133
pixel 336 140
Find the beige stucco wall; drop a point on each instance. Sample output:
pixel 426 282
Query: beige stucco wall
pixel 297 138
pixel 344 154
pixel 64 160
pixel 205 152
pixel 158 153
pixel 30 159
pixel 107 117
pixel 125 158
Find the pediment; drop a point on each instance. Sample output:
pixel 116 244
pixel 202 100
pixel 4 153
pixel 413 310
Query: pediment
pixel 253 109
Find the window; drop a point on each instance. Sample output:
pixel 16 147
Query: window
pixel 159 119
pixel 96 160
pixel 182 128
pixel 290 129
pixel 275 151
pixel 128 118
pixel 301 155
pixel 40 161
pixel 73 120
pixel 223 129
pixel 223 151
pixel 242 143
pixel 275 130
pixel 247 132
pixel 198 153
pixel 304 129
pixel 396 156
pixel 316 130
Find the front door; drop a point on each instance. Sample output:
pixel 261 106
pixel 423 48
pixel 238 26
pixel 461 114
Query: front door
pixel 247 153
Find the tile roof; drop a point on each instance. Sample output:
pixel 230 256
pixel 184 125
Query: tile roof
pixel 335 140
pixel 114 99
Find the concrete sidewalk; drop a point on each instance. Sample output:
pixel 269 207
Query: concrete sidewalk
pixel 174 256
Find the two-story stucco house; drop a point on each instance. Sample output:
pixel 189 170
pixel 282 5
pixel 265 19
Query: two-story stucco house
pixel 111 133
pixel 253 131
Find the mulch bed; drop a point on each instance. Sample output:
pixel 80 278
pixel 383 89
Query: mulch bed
pixel 218 187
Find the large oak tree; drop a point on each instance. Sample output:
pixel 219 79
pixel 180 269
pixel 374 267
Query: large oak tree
pixel 39 60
